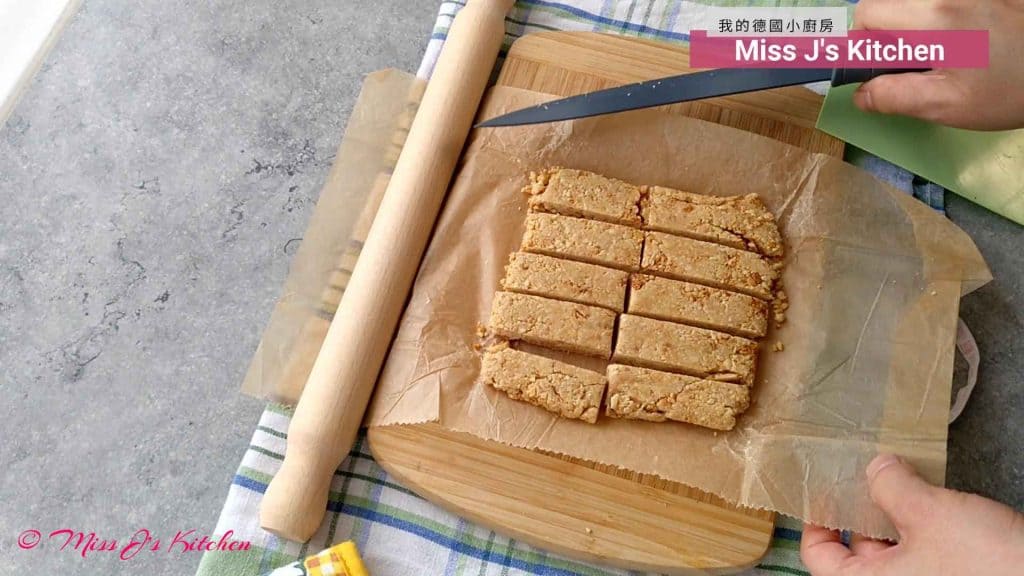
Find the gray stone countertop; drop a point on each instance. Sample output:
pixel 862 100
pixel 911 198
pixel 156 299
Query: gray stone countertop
pixel 153 180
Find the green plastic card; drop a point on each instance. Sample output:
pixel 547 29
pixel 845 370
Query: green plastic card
pixel 984 167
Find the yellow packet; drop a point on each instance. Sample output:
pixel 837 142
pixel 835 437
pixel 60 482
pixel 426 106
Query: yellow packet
pixel 338 560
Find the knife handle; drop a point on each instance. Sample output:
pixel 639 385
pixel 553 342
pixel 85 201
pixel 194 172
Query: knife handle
pixel 841 76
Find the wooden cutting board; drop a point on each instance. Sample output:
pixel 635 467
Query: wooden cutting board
pixel 578 508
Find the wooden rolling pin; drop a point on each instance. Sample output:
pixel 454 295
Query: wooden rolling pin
pixel 334 400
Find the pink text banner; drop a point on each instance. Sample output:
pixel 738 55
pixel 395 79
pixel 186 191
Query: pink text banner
pixel 859 49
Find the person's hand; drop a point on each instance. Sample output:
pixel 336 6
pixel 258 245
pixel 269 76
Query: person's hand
pixel 981 99
pixel 942 532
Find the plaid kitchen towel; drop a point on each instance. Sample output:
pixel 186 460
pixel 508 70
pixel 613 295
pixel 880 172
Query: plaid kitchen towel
pixel 399 533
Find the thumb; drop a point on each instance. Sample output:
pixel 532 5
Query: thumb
pixel 897 489
pixel 929 96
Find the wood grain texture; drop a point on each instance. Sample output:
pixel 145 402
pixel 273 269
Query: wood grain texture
pixel 582 509
pixel 591 512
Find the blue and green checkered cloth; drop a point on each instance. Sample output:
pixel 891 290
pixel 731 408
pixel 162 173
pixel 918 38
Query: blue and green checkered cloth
pixel 399 533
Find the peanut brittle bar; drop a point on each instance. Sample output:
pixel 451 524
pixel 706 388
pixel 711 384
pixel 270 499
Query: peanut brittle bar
pixel 566 390
pixel 585 195
pixel 554 324
pixel 677 347
pixel 644 394
pixel 698 305
pixel 561 279
pixel 738 221
pixel 583 240
pixel 707 263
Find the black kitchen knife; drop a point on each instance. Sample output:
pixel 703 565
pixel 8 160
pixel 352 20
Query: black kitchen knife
pixel 682 88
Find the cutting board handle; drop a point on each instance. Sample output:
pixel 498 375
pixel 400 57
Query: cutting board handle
pixel 335 397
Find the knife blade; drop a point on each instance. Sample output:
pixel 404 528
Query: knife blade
pixel 681 88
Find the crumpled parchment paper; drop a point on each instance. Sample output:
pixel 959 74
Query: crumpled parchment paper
pixel 874 280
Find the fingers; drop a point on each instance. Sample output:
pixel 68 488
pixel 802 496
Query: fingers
pixel 867 547
pixel 824 554
pixel 897 489
pixel 883 15
pixel 896 15
pixel 929 96
pixel 910 14
pixel 903 495
pixel 822 551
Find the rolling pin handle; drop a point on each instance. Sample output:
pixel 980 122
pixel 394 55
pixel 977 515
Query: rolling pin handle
pixel 296 517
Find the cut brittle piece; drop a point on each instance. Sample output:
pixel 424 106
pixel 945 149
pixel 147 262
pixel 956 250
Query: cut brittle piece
pixel 589 241
pixel 566 390
pixel 655 396
pixel 562 279
pixel 585 195
pixel 707 263
pixel 738 221
pixel 677 347
pixel 698 305
pixel 553 323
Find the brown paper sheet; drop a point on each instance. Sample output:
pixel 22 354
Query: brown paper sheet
pixel 344 212
pixel 874 279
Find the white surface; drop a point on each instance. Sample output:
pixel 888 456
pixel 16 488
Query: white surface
pixel 25 36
